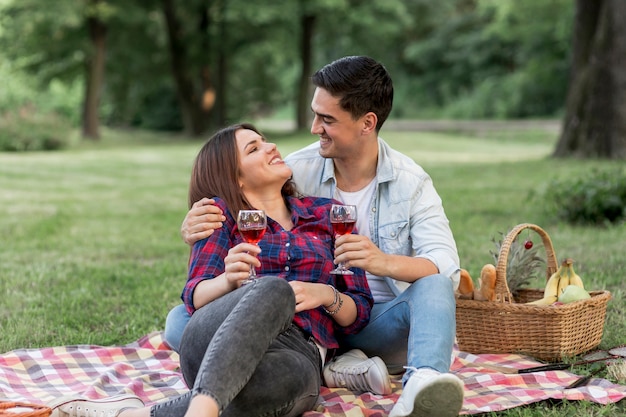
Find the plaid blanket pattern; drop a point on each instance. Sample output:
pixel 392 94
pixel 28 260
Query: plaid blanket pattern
pixel 150 370
pixel 146 367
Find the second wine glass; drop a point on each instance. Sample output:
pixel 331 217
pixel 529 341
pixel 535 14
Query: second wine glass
pixel 252 225
pixel 343 219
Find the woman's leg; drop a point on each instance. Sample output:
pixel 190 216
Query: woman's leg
pixel 253 361
pixel 227 342
pixel 286 382
pixel 241 324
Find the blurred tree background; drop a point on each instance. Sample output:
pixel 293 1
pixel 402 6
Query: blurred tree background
pixel 194 65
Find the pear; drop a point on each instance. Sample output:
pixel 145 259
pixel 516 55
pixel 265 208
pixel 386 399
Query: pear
pixel 573 293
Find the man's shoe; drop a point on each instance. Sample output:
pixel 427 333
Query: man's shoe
pixel 355 371
pixel 429 393
pixel 83 407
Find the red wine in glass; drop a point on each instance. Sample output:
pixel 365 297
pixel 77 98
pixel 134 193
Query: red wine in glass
pixel 343 228
pixel 252 225
pixel 343 219
pixel 253 236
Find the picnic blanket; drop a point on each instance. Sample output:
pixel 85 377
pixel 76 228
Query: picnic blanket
pixel 149 369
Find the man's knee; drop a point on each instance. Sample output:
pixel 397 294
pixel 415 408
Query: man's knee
pixel 175 323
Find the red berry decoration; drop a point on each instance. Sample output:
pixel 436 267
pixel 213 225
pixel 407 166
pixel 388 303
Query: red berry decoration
pixel 528 244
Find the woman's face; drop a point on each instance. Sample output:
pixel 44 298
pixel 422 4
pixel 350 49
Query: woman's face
pixel 260 163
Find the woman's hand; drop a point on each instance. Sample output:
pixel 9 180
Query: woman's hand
pixel 237 263
pixel 310 295
pixel 236 269
pixel 201 221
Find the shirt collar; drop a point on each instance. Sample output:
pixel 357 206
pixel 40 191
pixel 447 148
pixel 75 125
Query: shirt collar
pixel 384 170
pixel 299 210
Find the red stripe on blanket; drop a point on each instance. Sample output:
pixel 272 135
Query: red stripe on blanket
pixel 150 370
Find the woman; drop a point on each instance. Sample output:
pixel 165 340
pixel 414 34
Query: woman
pixel 256 349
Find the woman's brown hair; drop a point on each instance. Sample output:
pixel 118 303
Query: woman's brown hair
pixel 215 172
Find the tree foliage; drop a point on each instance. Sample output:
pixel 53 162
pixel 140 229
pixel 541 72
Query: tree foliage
pixel 486 59
pixel 45 41
pixel 451 58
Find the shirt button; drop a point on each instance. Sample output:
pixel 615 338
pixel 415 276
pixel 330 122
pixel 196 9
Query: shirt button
pixel 393 234
pixel 373 209
pixel 287 268
pixel 287 244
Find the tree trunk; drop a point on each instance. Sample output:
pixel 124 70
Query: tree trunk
pixel 221 104
pixel 307 27
pixel 95 77
pixel 195 119
pixel 208 90
pixel 594 125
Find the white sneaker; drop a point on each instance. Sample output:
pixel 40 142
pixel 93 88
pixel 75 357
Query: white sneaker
pixel 429 393
pixel 355 371
pixel 83 407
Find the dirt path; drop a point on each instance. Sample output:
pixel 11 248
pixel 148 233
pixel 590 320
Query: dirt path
pixel 552 126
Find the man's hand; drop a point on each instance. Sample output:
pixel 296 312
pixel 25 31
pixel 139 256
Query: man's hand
pixel 357 251
pixel 201 221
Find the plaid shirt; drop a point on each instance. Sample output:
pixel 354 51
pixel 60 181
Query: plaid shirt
pixel 304 253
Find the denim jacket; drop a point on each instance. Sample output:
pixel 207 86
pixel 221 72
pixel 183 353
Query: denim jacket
pixel 406 213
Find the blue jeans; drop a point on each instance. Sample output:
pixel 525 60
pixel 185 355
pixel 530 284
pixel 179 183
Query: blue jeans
pixel 244 351
pixel 416 329
pixel 175 324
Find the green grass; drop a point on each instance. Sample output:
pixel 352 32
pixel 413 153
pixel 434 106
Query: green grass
pixel 90 249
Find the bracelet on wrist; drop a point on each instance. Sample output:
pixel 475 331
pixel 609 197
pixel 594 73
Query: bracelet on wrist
pixel 338 301
pixel 335 301
pixel 335 311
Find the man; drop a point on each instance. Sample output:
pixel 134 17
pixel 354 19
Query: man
pixel 404 241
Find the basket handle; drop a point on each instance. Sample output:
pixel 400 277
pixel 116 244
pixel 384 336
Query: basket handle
pixel 503 294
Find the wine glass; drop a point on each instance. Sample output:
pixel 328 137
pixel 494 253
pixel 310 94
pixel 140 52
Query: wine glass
pixel 343 219
pixel 252 225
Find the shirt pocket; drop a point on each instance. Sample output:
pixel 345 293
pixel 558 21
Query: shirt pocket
pixel 395 238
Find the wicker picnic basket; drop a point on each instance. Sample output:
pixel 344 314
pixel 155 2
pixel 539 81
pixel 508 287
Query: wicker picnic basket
pixel 507 325
pixel 19 409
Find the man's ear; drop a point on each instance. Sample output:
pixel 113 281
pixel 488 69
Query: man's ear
pixel 369 123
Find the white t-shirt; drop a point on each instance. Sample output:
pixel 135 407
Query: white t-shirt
pixel 362 199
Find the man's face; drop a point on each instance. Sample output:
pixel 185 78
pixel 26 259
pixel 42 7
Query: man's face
pixel 337 131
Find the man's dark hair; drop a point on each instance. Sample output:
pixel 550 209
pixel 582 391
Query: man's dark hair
pixel 362 85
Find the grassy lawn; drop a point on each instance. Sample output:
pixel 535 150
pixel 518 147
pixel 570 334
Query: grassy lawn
pixel 90 249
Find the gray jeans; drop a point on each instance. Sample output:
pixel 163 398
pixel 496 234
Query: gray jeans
pixel 244 351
